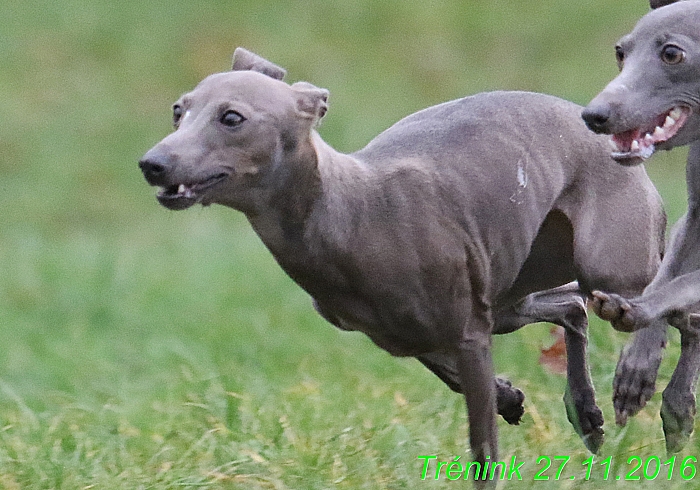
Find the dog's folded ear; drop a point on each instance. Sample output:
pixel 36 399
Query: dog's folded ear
pixel 245 60
pixel 311 101
pixel 660 3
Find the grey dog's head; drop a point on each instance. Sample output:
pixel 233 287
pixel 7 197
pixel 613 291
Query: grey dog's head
pixel 232 132
pixel 654 103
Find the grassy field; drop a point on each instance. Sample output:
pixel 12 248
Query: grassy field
pixel 147 349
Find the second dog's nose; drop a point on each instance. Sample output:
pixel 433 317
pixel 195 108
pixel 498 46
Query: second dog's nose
pixel 596 118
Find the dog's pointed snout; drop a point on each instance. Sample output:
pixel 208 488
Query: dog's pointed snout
pixel 597 117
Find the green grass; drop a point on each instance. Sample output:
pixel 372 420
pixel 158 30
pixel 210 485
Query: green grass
pixel 148 349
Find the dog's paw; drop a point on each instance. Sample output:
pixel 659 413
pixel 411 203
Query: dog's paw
pixel 622 314
pixel 585 417
pixel 678 417
pixel 635 379
pixel 509 401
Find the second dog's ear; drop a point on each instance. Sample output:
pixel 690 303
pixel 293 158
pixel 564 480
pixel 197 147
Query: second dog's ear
pixel 660 3
pixel 311 100
pixel 245 60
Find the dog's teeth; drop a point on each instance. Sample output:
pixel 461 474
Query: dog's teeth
pixel 676 113
pixel 181 189
pixel 634 146
pixel 669 122
pixel 647 151
pixel 659 133
pixel 648 139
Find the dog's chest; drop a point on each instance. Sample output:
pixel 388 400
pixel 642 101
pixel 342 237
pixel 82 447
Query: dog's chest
pixel 400 328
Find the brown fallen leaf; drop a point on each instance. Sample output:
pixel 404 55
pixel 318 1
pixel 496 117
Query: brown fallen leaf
pixel 554 357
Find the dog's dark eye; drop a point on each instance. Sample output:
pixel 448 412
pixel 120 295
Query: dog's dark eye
pixel 177 114
pixel 619 56
pixel 232 119
pixel 672 55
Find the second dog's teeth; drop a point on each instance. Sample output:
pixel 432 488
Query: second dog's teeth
pixel 181 189
pixel 659 133
pixel 676 113
pixel 669 122
pixel 634 146
pixel 649 139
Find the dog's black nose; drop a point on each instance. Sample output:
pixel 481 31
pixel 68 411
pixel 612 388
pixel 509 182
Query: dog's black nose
pixel 151 168
pixel 153 171
pixel 155 168
pixel 597 117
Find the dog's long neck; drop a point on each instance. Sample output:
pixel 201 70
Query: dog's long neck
pixel 308 205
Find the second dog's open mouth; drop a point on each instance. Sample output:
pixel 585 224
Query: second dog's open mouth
pixel 182 196
pixel 636 145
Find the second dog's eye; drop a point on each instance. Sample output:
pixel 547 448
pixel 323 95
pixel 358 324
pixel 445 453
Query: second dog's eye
pixel 672 55
pixel 177 114
pixel 231 119
pixel 619 56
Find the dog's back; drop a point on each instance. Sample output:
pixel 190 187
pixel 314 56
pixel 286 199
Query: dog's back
pixel 494 161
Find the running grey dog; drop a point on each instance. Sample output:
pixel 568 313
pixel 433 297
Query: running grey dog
pixel 464 220
pixel 654 104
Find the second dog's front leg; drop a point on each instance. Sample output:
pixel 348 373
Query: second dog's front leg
pixel 661 302
pixel 676 286
pixel 636 371
pixel 625 315
pixel 674 292
pixel 678 406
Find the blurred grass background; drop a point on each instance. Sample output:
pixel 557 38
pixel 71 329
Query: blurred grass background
pixel 142 348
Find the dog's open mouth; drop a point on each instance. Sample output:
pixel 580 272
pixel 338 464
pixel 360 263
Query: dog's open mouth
pixel 182 196
pixel 636 145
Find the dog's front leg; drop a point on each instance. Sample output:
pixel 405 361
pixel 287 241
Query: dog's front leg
pixel 564 306
pixel 678 406
pixel 509 399
pixel 579 398
pixel 635 375
pixel 476 374
pixel 666 298
pixel 672 296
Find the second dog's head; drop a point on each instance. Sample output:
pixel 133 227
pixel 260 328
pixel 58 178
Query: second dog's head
pixel 654 103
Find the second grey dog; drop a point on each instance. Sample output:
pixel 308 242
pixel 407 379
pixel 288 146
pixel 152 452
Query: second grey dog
pixel 448 227
pixel 653 104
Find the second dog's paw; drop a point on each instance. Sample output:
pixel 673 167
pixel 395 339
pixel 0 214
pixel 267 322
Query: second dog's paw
pixel 620 312
pixel 635 381
pixel 678 417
